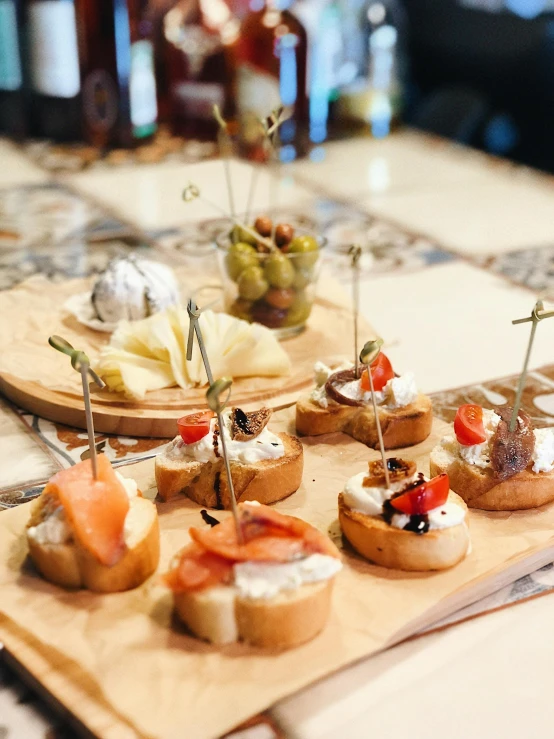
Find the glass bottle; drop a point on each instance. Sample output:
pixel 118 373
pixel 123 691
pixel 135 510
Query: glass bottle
pixel 199 37
pixel 12 94
pixel 55 81
pixel 322 21
pixel 119 86
pixel 271 71
pixel 374 69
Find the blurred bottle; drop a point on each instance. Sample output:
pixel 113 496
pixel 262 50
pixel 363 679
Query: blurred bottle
pixel 199 37
pixel 55 82
pixel 373 74
pixel 12 95
pixel 322 20
pixel 119 86
pixel 271 70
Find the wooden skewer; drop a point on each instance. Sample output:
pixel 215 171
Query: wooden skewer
pixel 214 403
pixel 213 397
pixel 355 253
pixel 537 314
pixel 81 363
pixel 194 328
pixel 225 146
pixel 191 192
pixel 368 355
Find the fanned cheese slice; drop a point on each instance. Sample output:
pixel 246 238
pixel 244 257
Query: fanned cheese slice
pixel 151 354
pixel 132 374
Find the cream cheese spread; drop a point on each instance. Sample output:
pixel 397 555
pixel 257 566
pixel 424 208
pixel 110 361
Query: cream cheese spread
pixel 264 580
pixel 266 445
pixel 55 529
pixel 370 500
pixel 397 393
pixel 543 453
pixel 479 454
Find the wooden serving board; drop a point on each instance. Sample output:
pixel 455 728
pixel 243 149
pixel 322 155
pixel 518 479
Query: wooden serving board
pixel 125 668
pixel 40 380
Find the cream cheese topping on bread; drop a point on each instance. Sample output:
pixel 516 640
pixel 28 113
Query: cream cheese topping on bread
pixel 54 529
pixel 370 500
pixel 266 445
pixel 397 393
pixel 543 453
pixel 264 580
pixel 478 455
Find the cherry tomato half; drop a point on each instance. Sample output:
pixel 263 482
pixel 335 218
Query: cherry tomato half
pixel 194 426
pixel 381 372
pixel 468 425
pixel 424 497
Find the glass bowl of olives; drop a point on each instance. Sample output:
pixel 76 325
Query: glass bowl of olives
pixel 269 272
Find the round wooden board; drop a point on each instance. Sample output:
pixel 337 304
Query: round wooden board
pixel 41 381
pixel 156 420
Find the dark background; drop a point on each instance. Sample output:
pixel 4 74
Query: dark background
pixel 484 78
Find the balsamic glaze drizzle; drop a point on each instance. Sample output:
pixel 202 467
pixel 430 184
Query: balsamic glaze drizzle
pixel 209 519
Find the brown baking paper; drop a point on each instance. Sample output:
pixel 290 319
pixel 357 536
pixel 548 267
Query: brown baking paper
pixel 126 649
pixel 34 310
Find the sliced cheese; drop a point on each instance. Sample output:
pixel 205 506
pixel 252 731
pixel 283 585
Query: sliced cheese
pixel 151 354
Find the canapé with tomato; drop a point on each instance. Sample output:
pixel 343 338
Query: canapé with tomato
pixel 342 401
pixel 403 520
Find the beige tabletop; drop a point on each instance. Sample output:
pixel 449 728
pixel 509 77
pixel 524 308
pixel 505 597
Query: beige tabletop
pixel 458 244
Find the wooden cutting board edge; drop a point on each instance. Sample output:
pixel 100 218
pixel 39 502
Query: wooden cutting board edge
pixel 121 419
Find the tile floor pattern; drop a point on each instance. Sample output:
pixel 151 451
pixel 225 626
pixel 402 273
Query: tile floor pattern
pixel 70 224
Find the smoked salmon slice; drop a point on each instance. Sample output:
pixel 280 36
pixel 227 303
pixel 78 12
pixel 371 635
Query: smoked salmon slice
pixel 269 536
pixel 198 569
pixel 95 509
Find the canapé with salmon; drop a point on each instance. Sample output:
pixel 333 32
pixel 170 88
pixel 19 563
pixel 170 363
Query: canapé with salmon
pixel 271 590
pixel 99 534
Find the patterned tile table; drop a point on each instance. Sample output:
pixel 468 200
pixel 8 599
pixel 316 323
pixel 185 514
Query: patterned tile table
pixel 450 256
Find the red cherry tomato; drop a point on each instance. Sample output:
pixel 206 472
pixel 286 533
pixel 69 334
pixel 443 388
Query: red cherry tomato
pixel 424 497
pixel 381 372
pixel 195 426
pixel 468 425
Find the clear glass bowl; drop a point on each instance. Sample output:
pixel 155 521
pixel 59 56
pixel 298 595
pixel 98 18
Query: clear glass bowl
pixel 276 289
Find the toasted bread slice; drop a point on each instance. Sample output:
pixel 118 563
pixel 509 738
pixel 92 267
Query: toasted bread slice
pixel 385 545
pixel 219 615
pixel 71 566
pixel 206 482
pixel 401 427
pixel 480 489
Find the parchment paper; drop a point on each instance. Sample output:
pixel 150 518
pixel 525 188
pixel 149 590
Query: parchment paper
pixel 167 684
pixel 34 310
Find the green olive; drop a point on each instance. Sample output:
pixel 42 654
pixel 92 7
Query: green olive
pixel 302 278
pixel 279 271
pixel 238 258
pixel 252 284
pixel 241 309
pixel 299 311
pixel 240 235
pixel 307 249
